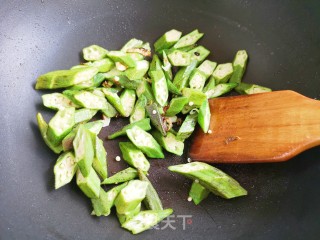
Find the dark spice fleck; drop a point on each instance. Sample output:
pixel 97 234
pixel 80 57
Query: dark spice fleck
pixel 196 53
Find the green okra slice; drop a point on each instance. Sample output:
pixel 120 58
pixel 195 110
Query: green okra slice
pixel 64 169
pixel 179 58
pixel 172 88
pixel 57 101
pixel 159 87
pixel 125 82
pixel 135 55
pixel 143 123
pixel 67 141
pixel 156 118
pixel 152 200
pixel 94 53
pixel 155 64
pixel 188 39
pixel 131 196
pixel 112 73
pixel 197 192
pixel 145 89
pixel 89 185
pixel 239 66
pixel 99 162
pixel 146 46
pixel 43 127
pixel 220 89
pixel 181 78
pixel 207 68
pixel 84 150
pixel 139 111
pixel 78 66
pixel 95 126
pixel 167 40
pixel 170 142
pixel 166 66
pixel 210 85
pixel 122 176
pixel 197 80
pixel 133 156
pixel 123 58
pixel 128 100
pixel 246 88
pixel 145 220
pixel 102 205
pixel 145 142
pixel 211 178
pixel 109 111
pixel 114 99
pixel 137 72
pixel 187 126
pixel 222 73
pixel 199 54
pixel 128 215
pixel 83 85
pixel 132 43
pixel 195 97
pixel 204 116
pixel 65 78
pixel 103 65
pixel 90 100
pixel 60 125
pixel 176 105
pixel 84 115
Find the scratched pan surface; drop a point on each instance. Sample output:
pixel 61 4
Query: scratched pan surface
pixel 283 41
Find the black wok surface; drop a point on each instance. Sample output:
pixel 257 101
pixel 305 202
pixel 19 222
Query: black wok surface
pixel 283 42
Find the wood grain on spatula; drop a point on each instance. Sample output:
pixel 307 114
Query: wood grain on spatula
pixel 266 127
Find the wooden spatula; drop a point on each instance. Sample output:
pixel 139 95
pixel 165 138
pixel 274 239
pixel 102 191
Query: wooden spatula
pixel 266 127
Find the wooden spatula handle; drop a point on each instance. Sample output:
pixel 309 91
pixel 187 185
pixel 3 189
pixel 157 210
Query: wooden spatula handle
pixel 266 127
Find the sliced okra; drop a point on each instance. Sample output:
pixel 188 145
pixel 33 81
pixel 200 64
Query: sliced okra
pixel 172 88
pixel 134 156
pixel 169 142
pixel 179 58
pixel 64 169
pixel 60 125
pixel 94 52
pixel 211 178
pixel 125 82
pixel 166 66
pixel 99 162
pixel 123 58
pixel 199 54
pixel 135 55
pixel 197 80
pixel 143 123
pixel 188 39
pixel 132 43
pixel 131 196
pixel 167 40
pixel 122 176
pixel 114 99
pixel 65 78
pixel 155 64
pixel 139 111
pixel 239 66
pixel 195 97
pixel 128 215
pixel 187 126
pixel 109 111
pixel 204 116
pixel 95 126
pixel 140 51
pixel 156 118
pixel 176 105
pixel 84 150
pixel 84 115
pixel 89 185
pixel 90 100
pixel 198 192
pixel 57 101
pixel 145 142
pixel 210 85
pixel 146 46
pixel 145 89
pixel 145 220
pixel 207 68
pixel 43 127
pixel 220 89
pixel 138 72
pixel 152 200
pixel 67 141
pixel 181 78
pixel 128 99
pixel 103 65
pixel 222 73
pixel 112 73
pixel 159 87
pixel 246 88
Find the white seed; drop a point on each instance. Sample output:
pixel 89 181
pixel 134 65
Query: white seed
pixel 116 78
pixel 189 160
pixel 196 181
pixel 209 131
pixel 189 199
pixel 118 158
pixel 154 112
pixel 191 103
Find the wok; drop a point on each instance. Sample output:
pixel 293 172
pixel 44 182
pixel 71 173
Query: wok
pixel 283 42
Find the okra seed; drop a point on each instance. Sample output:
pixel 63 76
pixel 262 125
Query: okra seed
pixel 154 112
pixel 118 158
pixel 189 160
pixel 116 78
pixel 196 181
pixel 191 103
pixel 189 199
pixel 209 131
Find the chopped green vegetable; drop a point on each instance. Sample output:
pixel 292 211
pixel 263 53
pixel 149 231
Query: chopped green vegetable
pixel 64 169
pixel 89 185
pixel 133 156
pixel 198 193
pixel 239 66
pixel 246 88
pixel 167 40
pixel 143 124
pixel 94 53
pixel 122 176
